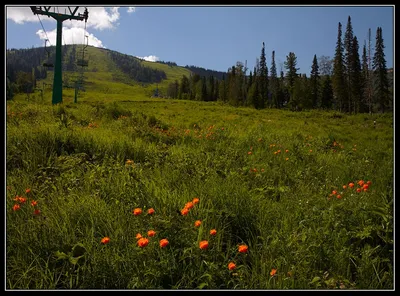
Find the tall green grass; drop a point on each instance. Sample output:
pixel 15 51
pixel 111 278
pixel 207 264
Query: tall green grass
pixel 73 157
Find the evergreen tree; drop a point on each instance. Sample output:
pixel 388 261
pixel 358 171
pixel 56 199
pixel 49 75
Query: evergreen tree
pixel 355 78
pixel 233 98
pixel 338 80
pixel 364 79
pixel 222 96
pixel 263 79
pixel 283 91
pixel 381 87
pixel 253 96
pixel 203 96
pixel 291 75
pixel 274 83
pixel 327 93
pixel 250 81
pixel 348 63
pixel 216 90
pixel 314 81
pixel 184 88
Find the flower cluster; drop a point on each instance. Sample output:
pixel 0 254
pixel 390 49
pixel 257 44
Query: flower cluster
pixel 363 187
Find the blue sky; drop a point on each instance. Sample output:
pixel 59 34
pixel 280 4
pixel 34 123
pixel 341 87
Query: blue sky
pixel 211 37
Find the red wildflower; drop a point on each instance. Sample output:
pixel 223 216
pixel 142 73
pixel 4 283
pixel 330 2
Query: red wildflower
pixel 203 244
pixel 163 243
pixel 273 271
pixel 105 240
pixel 137 211
pixel 243 249
pixel 142 242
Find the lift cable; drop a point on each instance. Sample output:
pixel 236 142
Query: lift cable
pixel 44 29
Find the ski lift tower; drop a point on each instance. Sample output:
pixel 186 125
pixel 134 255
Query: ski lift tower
pixel 59 17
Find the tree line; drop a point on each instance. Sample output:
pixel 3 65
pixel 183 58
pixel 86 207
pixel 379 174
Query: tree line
pixel 135 70
pixel 346 83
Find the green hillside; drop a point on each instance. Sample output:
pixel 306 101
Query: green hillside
pixel 104 80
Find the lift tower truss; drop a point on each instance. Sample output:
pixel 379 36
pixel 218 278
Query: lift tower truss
pixel 59 17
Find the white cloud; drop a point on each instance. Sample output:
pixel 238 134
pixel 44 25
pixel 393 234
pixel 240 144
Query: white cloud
pixel 131 9
pixel 150 58
pixel 100 18
pixel 71 36
pixel 20 15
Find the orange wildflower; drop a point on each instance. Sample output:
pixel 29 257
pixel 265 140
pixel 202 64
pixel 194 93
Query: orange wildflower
pixel 197 223
pixel 287 158
pixel 310 150
pixel 138 236
pixel 358 189
pixel 286 151
pixel 151 233
pixel 28 190
pixel 249 153
pixel 351 185
pixel 20 199
pixel 137 211
pixel 142 242
pixel 105 240
pixel 150 211
pixel 16 207
pixel 262 170
pixel 369 182
pixel 339 196
pixel 273 272
pixel 365 189
pixel 163 243
pixel 195 200
pixel 36 212
pixel 279 151
pixel 203 244
pixel 243 249
pixel 189 205
pixel 334 192
pixel 344 186
pixel 34 203
pixel 231 266
pixel 365 186
pixel 275 152
pixel 184 212
pixel 213 231
pixel 361 182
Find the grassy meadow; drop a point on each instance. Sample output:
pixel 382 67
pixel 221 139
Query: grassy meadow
pixel 296 200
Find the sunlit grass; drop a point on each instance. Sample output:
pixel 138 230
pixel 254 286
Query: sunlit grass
pixel 74 158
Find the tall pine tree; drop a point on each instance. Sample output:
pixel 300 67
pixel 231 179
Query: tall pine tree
pixel 291 73
pixel 274 83
pixel 348 63
pixel 365 75
pixel 381 87
pixel 314 81
pixel 355 78
pixel 338 80
pixel 263 79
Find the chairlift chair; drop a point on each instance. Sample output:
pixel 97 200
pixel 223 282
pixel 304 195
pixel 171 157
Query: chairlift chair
pixel 47 64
